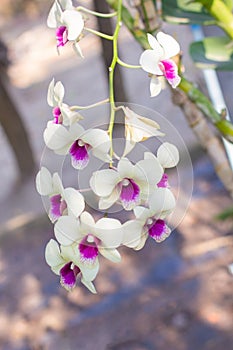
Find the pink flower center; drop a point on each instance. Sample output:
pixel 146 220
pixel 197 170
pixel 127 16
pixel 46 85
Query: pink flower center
pixel 57 207
pixel 88 248
pixel 79 154
pixel 158 229
pixel 170 71
pixel 69 273
pixel 57 115
pixel 164 181
pixel 61 36
pixel 130 192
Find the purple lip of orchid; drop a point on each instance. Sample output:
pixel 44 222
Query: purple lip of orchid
pixel 57 115
pixel 69 273
pixel 88 248
pixel 79 153
pixel 158 230
pixel 130 192
pixel 169 69
pixel 57 206
pixel 163 182
pixel 61 36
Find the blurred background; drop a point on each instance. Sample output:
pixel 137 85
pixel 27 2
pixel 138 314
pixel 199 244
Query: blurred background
pixel 177 294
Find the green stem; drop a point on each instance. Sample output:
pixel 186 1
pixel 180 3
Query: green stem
pixel 219 10
pixel 111 75
pixel 126 65
pixel 74 108
pixel 101 35
pixel 94 13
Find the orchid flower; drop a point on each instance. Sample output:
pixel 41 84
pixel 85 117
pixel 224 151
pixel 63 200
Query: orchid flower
pixel 168 157
pixel 158 62
pixel 65 261
pixel 61 111
pixel 66 201
pixel 89 238
pixel 130 184
pixel 77 142
pixel 68 22
pixel 161 203
pixel 138 128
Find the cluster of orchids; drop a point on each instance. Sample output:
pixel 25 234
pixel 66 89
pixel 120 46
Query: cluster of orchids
pixel 141 189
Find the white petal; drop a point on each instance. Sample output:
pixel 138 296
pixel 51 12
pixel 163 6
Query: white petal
pixel 89 285
pixel 44 183
pixel 168 155
pixel 57 184
pixel 56 136
pixel 89 271
pixel 125 168
pixel 152 170
pixel 74 200
pixel 129 144
pixel 67 230
pixel 161 202
pixel 103 182
pixel 76 131
pixel 66 4
pixel 110 232
pixel 50 94
pixel 154 44
pixel 155 86
pixel 59 92
pixel 74 22
pixel 87 220
pixel 170 45
pixel 111 254
pixel 77 49
pixel 96 138
pixel 132 233
pixel 142 242
pixel 53 255
pixel 69 117
pixel 149 61
pixel 107 202
pixel 54 15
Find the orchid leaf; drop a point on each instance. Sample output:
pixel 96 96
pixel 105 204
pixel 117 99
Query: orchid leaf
pixel 213 52
pixel 185 12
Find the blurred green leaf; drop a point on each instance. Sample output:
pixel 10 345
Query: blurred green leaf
pixel 213 52
pixel 185 12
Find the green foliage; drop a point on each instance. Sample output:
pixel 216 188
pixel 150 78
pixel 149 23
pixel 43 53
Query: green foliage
pixel 185 12
pixel 213 52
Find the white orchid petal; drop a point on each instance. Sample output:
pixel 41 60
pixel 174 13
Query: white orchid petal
pixel 141 213
pixel 154 44
pixel 96 138
pixel 53 255
pixel 103 182
pixel 168 155
pixel 110 232
pixel 152 170
pixel 107 202
pixel 161 202
pixel 59 92
pixel 54 16
pixel 57 184
pixel 74 22
pixel 89 285
pixel 125 168
pixel 170 45
pixel 149 60
pixel 67 230
pixel 142 242
pixel 111 254
pixel 77 49
pixel 50 94
pixel 44 183
pixel 87 220
pixel 74 200
pixel 69 117
pixel 56 136
pixel 155 86
pixel 132 233
pixel 66 4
